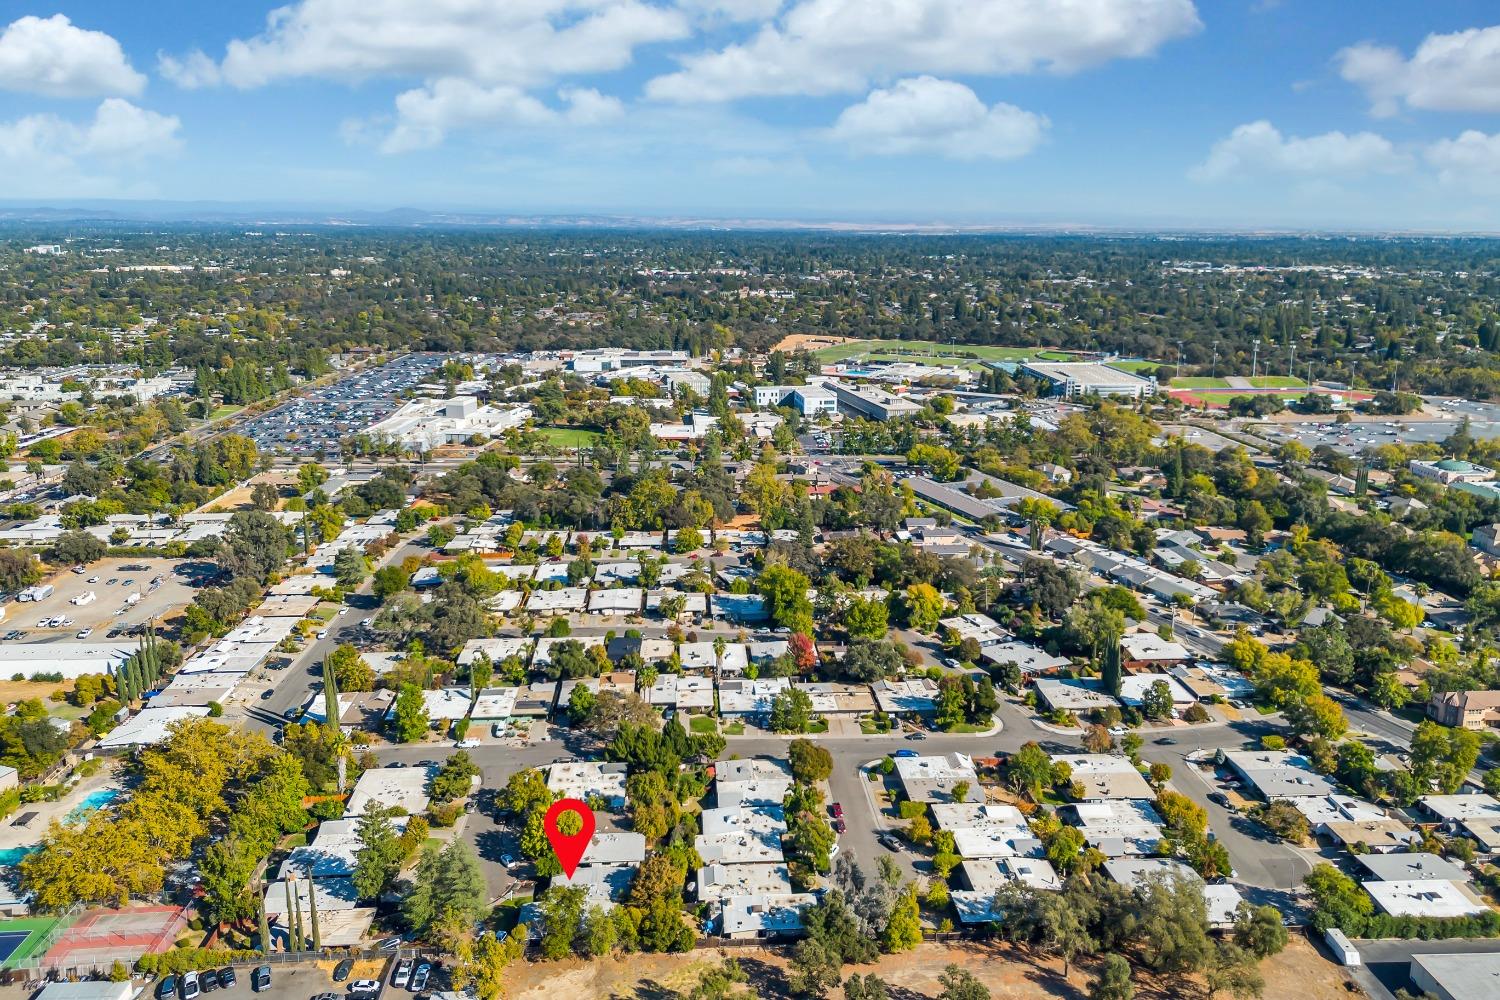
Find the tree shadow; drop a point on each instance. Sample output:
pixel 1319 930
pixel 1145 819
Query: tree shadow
pixel 647 989
pixel 765 980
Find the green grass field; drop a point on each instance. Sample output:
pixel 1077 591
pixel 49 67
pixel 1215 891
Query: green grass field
pixel 569 437
pixel 703 725
pixel 931 352
pixel 1134 366
pixel 1200 383
pixel 1278 382
pixel 220 412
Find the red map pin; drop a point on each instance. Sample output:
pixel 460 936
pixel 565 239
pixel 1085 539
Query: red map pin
pixel 569 848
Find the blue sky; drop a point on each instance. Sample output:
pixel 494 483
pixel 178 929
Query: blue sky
pixel 1244 113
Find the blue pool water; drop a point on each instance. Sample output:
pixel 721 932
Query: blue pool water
pixel 91 803
pixel 11 856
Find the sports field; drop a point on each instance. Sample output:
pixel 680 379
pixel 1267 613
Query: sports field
pixel 1194 382
pixel 568 437
pixel 932 352
pixel 1278 382
pixel 1134 366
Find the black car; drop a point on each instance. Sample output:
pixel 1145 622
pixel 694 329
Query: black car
pixel 208 980
pixel 1166 741
pixel 342 970
pixel 227 979
pixel 166 988
pixel 260 979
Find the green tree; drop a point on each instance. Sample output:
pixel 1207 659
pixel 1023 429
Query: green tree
pixel 810 763
pixel 379 856
pixel 412 721
pixel 866 619
pixel 791 711
pixel 1113 982
pixel 785 591
pixel 924 606
pixel 904 930
pixel 959 984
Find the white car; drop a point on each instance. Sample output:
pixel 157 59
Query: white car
pixel 323 634
pixel 84 633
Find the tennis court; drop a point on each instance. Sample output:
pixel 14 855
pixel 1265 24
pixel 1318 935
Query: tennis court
pixel 24 939
pixel 99 937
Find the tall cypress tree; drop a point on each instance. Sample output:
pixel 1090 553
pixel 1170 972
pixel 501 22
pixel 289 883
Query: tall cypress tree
pixel 312 905
pixel 1111 667
pixel 330 697
pixel 265 923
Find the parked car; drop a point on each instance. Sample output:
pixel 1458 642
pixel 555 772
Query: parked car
pixel 508 861
pixel 260 979
pixel 227 979
pixel 1165 741
pixel 342 970
pixel 324 996
pixel 905 753
pixel 208 980
pixel 836 810
pixel 419 978
pixel 84 633
pixel 916 736
pixel 889 842
pixel 166 988
pixel 364 987
pixel 401 978
pixel 190 985
pixel 839 824
pixel 1221 799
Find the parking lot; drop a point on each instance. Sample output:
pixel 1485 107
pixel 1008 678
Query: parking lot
pixel 114 583
pixel 321 421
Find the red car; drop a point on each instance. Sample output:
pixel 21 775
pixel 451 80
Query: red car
pixel 837 810
pixel 839 825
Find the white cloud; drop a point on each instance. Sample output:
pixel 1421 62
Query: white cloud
pixel 841 46
pixel 925 115
pixel 1260 148
pixel 1472 158
pixel 516 43
pixel 192 71
pixel 1453 72
pixel 481 62
pixel 46 153
pixel 425 115
pixel 55 58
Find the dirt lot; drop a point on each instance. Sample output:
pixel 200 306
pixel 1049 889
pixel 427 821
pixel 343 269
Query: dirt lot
pixel 807 341
pixel 1010 974
pixel 99 613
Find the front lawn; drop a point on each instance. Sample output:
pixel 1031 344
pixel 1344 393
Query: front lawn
pixel 703 725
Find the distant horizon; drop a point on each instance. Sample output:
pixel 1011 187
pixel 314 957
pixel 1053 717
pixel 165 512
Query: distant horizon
pixel 61 211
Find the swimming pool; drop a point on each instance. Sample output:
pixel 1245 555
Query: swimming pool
pixel 11 856
pixel 92 802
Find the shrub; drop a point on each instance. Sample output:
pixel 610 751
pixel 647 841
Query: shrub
pixel 182 960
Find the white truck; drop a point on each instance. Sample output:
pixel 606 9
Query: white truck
pixel 83 599
pixel 1343 950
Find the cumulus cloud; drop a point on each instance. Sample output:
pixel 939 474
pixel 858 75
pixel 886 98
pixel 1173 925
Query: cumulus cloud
pixel 841 46
pixel 931 116
pixel 1453 72
pixel 516 43
pixel 1472 158
pixel 47 146
pixel 53 57
pixel 424 116
pixel 481 63
pixel 1260 148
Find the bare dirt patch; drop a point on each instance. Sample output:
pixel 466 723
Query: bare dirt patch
pixel 808 342
pixel 1010 973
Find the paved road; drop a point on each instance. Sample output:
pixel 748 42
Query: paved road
pixel 297 682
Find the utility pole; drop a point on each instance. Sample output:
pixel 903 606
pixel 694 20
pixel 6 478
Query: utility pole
pixel 1214 372
pixel 1254 357
pixel 1179 359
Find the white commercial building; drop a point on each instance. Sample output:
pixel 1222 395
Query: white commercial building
pixel 425 424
